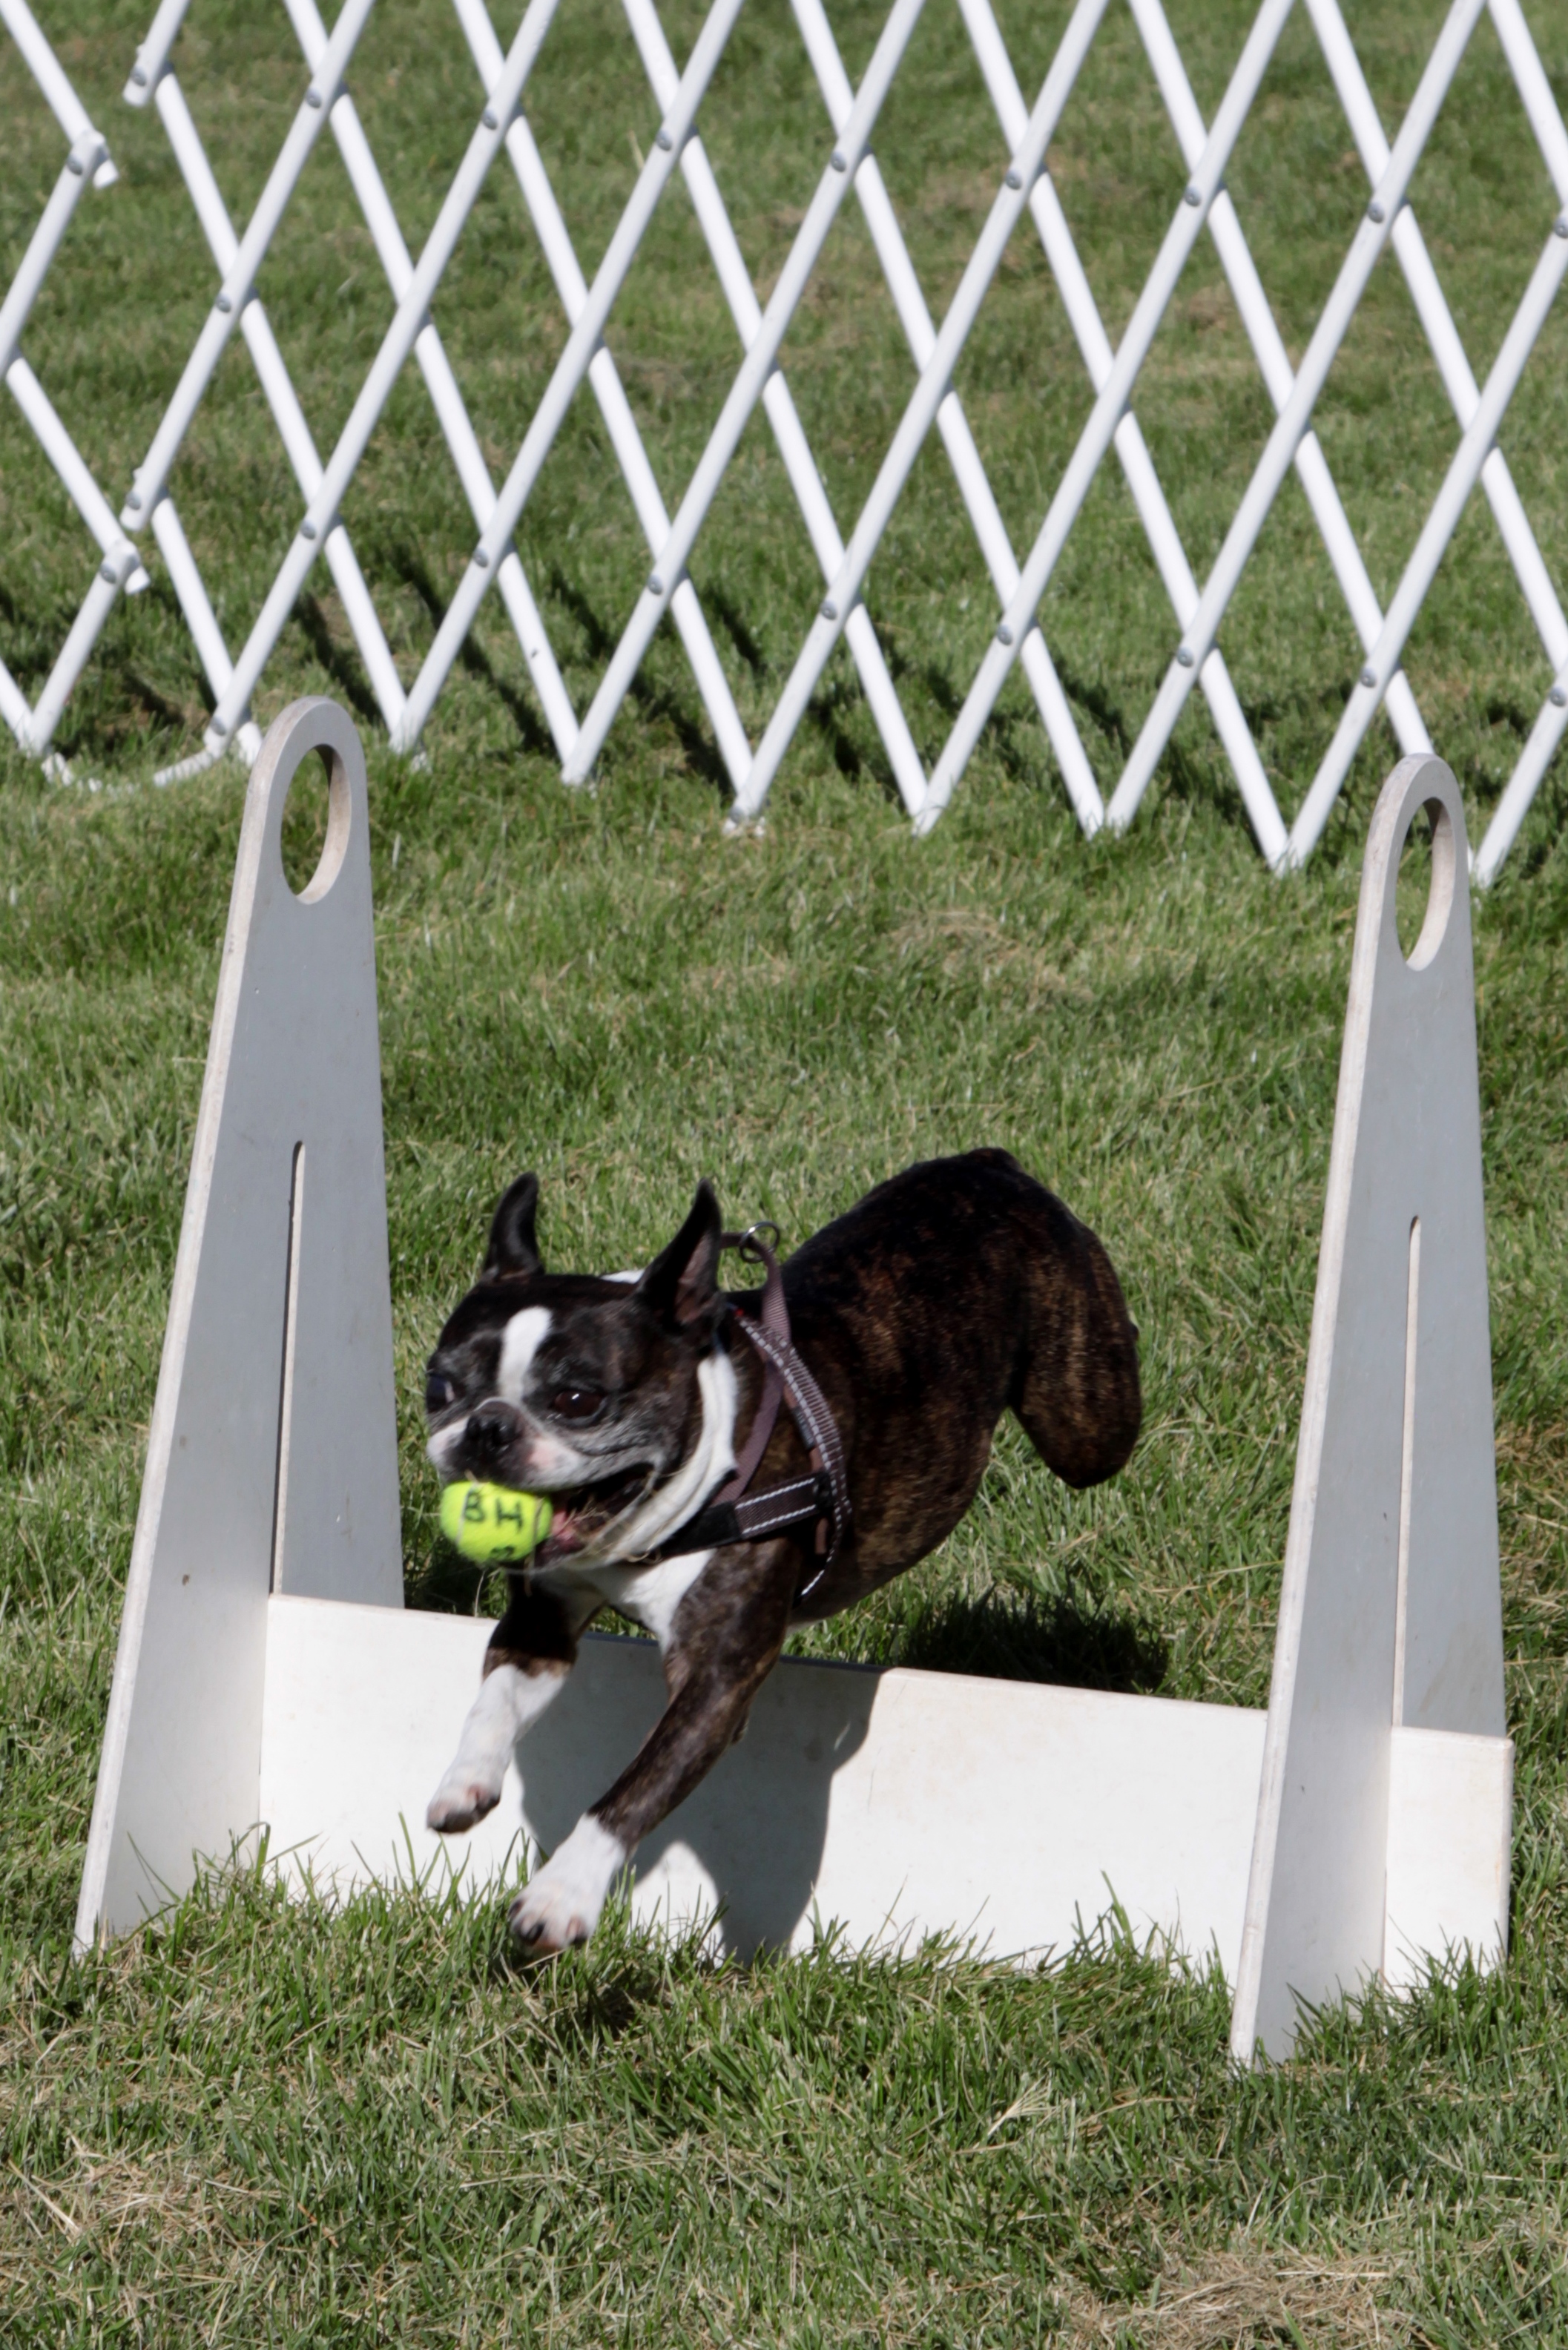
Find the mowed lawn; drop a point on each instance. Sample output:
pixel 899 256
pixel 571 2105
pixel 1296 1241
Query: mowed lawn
pixel 260 2123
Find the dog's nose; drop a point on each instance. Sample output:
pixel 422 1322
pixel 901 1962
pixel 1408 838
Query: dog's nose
pixel 494 1426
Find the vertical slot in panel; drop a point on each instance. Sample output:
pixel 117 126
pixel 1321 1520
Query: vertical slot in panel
pixel 286 1383
pixel 1406 1470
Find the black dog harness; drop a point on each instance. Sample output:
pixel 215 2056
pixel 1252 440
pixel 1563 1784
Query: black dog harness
pixel 734 1513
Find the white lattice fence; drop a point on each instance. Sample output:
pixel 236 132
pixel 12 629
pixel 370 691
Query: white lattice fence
pixel 847 163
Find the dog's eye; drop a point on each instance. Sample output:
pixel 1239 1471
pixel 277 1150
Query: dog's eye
pixel 438 1393
pixel 576 1403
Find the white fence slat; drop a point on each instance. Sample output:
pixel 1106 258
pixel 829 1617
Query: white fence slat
pixel 87 161
pixel 604 380
pixel 50 76
pixel 1430 548
pixel 1534 91
pixel 401 335
pixel 1137 466
pixel 747 388
pixel 1275 365
pixel 1294 417
pixel 1180 239
pixel 152 476
pixel 929 393
pixel 844 563
pixel 67 459
pixel 778 403
pixel 1437 323
pixel 969 473
pixel 45 242
pixel 581 347
pixel 186 579
pixel 299 445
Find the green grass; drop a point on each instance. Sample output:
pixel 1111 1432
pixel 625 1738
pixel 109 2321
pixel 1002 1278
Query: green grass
pixel 259 2124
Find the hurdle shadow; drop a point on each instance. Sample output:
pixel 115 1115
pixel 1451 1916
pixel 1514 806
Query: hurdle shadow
pixel 748 1841
pixel 1066 1639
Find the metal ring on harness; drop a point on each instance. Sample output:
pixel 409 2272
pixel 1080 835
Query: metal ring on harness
pixel 754 1249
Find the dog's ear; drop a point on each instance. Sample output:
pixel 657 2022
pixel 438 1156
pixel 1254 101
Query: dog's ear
pixel 681 1285
pixel 513 1248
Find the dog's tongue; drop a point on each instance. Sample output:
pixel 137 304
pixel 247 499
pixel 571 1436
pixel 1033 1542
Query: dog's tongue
pixel 582 1518
pixel 562 1540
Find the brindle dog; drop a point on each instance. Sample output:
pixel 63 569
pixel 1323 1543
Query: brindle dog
pixel 957 1290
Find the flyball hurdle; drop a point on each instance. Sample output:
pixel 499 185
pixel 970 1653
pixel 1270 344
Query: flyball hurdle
pixel 268 1676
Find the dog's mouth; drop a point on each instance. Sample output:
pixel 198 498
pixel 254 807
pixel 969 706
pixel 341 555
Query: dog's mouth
pixel 585 1512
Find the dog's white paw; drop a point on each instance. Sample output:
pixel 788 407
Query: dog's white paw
pixel 509 1701
pixel 462 1800
pixel 561 1905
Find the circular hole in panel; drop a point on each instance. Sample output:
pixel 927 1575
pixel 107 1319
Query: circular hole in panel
pixel 1425 890
pixel 314 831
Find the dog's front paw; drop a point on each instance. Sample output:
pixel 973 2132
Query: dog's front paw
pixel 561 1904
pixel 460 1802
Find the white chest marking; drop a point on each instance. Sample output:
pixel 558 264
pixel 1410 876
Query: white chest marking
pixel 521 1341
pixel 650 1595
pixel 666 1510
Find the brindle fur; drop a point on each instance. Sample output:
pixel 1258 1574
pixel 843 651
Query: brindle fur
pixel 957 1290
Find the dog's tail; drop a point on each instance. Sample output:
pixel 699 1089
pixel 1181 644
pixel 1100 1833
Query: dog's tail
pixel 1076 1391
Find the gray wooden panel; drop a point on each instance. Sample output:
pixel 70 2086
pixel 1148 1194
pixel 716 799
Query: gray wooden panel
pixel 231 1500
pixel 1407 1147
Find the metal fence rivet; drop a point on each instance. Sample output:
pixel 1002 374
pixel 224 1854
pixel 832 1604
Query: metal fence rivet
pixel 481 558
pixel 1184 656
pixel 662 139
pixel 490 118
pixel 1015 179
pixel 1004 633
pixel 1194 193
pixel 224 304
pixel 1560 225
pixel 1375 210
pixel 1369 677
pixel 105 571
pixel 139 76
pixel 308 528
pixel 655 583
pixel 313 97
pixel 74 163
pixel 1559 696
pixel 837 159
pixel 219 727
pixel 830 609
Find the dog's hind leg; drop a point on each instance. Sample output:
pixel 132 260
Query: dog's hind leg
pixel 722 1644
pixel 531 1651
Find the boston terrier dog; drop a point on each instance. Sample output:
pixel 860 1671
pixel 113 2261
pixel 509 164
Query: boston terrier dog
pixel 957 1290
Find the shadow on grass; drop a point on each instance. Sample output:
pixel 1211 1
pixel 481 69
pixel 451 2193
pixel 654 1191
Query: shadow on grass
pixel 474 661
pixel 1069 1639
pixel 341 666
pixel 701 754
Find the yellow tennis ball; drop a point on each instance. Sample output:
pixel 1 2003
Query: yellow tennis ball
pixel 492 1525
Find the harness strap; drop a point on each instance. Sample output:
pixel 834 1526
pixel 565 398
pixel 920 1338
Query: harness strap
pixel 733 1515
pixel 775 1315
pixel 756 1515
pixel 814 1421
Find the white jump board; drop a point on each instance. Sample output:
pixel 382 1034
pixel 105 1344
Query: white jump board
pixel 892 1804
